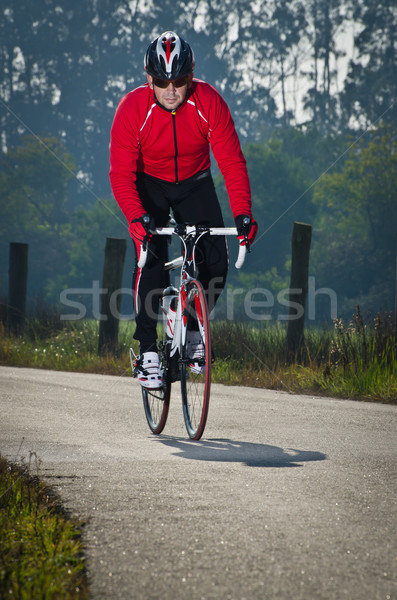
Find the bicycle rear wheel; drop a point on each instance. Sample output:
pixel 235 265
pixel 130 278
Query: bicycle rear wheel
pixel 196 361
pixel 156 402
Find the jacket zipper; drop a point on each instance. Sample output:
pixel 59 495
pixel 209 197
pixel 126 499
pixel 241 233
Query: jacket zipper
pixel 176 147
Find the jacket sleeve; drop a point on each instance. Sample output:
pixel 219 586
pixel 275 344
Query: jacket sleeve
pixel 227 151
pixel 124 156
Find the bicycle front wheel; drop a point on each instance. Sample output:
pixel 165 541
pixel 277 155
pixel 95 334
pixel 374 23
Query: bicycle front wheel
pixel 196 361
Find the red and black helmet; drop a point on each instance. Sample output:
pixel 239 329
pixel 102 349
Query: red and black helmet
pixel 169 57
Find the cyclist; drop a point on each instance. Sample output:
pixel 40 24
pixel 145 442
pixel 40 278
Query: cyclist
pixel 160 160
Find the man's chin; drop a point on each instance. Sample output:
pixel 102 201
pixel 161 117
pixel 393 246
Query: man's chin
pixel 171 104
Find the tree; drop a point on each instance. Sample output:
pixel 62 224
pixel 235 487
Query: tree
pixel 325 17
pixel 280 194
pixel 355 232
pixel 65 245
pixel 35 199
pixel 371 84
pixel 64 69
pixel 288 23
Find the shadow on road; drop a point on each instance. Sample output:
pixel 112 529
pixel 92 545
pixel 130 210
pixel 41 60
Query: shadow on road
pixel 252 455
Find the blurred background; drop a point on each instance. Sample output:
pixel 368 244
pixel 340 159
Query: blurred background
pixel 312 86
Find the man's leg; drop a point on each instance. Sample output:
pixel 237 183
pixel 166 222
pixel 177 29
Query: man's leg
pixel 149 281
pixel 148 284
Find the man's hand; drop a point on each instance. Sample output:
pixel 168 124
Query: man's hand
pixel 139 229
pixel 247 228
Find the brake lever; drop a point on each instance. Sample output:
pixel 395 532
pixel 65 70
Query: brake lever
pixel 246 223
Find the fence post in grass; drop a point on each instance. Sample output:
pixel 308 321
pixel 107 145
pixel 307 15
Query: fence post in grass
pixel 395 300
pixel 300 245
pixel 115 250
pixel 395 307
pixel 17 286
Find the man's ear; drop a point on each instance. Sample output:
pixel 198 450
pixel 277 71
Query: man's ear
pixel 190 79
pixel 149 80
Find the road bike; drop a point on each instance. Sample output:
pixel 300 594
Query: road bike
pixel 185 352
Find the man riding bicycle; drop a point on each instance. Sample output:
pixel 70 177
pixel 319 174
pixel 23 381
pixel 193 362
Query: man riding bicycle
pixel 160 160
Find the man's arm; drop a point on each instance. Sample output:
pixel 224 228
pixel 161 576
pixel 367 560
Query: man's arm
pixel 124 154
pixel 227 151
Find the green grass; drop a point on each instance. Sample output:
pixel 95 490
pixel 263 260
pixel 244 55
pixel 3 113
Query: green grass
pixel 41 549
pixel 72 348
pixel 355 360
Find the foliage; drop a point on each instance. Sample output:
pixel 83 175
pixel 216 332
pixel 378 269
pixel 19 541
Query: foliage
pixel 357 360
pixel 34 180
pixel 65 346
pixel 280 194
pixel 85 243
pixel 41 550
pixel 66 242
pixel 325 18
pixel 353 215
pixel 354 252
pixel 371 83
pixel 63 69
pixel 34 192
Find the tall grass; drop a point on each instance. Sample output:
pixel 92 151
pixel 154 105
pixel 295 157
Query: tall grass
pixel 357 359
pixel 74 347
pixel 352 360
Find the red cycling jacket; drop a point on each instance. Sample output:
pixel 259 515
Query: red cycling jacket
pixel 174 145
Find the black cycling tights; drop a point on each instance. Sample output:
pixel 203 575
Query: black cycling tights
pixel 194 202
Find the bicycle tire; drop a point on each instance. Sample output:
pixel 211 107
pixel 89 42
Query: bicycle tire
pixel 156 402
pixel 195 387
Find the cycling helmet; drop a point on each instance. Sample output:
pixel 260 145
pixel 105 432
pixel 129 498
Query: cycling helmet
pixel 169 57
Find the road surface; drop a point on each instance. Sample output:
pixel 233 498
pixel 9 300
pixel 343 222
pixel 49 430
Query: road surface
pixel 287 497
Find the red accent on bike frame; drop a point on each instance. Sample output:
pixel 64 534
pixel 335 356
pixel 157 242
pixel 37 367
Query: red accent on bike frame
pixel 183 305
pixel 169 324
pixel 198 308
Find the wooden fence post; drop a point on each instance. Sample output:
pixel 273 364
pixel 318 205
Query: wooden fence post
pixel 300 245
pixel 395 300
pixel 17 286
pixel 115 250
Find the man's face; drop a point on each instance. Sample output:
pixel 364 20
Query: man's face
pixel 173 94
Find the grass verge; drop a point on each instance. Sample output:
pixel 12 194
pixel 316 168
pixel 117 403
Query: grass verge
pixel 354 360
pixel 41 548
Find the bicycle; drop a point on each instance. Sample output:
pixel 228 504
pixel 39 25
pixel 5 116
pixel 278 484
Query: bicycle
pixel 185 352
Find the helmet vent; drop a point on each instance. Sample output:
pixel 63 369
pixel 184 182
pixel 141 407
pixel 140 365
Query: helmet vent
pixel 168 48
pixel 169 57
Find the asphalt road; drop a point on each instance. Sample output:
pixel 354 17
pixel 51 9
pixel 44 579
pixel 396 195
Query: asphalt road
pixel 287 497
